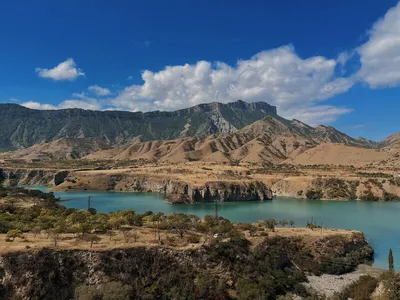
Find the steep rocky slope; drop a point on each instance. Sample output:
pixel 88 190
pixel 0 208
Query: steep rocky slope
pixel 22 127
pixel 270 140
pixel 210 272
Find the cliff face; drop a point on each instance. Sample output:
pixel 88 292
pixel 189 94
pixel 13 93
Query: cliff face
pixel 372 189
pixel 219 191
pixel 175 191
pixel 9 176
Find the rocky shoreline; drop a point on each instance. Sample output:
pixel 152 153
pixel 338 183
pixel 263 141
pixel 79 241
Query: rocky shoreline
pixel 175 191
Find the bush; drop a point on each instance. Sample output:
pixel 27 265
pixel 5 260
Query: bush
pixel 13 234
pixel 314 195
pixel 193 238
pixel 109 291
pixel 360 289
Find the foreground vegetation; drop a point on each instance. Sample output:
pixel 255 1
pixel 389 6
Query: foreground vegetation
pixel 220 259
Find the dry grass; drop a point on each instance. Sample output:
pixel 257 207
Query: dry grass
pixel 146 238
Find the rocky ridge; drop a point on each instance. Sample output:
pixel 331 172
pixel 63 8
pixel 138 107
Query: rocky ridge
pixel 22 127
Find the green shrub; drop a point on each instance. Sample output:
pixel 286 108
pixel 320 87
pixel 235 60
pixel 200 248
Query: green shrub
pixel 360 289
pixel 314 194
pixel 193 238
pixel 108 291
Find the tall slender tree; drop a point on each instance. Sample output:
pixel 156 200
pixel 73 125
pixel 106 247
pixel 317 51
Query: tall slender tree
pixel 391 261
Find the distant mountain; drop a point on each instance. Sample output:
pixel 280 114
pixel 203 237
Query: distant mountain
pixel 391 141
pixel 59 149
pixel 270 140
pixel 21 127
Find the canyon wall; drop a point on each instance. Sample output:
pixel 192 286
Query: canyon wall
pixel 175 191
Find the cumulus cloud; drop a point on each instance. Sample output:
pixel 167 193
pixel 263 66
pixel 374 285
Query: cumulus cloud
pixel 99 91
pixel 279 77
pixel 318 114
pixel 66 70
pixel 37 105
pixel 85 103
pixel 380 55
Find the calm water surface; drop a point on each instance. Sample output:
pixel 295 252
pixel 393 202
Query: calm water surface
pixel 380 221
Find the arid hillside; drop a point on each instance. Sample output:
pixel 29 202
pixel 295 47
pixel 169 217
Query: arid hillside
pixel 268 141
pixel 59 149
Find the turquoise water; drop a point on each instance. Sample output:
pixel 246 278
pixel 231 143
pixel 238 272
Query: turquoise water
pixel 380 221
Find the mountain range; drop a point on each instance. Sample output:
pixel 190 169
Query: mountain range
pixel 214 132
pixel 22 127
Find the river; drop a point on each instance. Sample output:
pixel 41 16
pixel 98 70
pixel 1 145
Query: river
pixel 380 221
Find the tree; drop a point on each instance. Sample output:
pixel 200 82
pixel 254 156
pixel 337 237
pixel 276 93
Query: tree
pixel 36 230
pixel 54 233
pixel 291 223
pixel 13 234
pixel 99 222
pixel 92 210
pixel 391 261
pixel 110 233
pixel 252 230
pixel 92 238
pixel 283 223
pixel 270 224
pixel 156 218
pixel 126 232
pixel 180 223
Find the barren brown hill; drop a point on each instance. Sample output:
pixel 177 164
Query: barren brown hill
pixel 59 149
pixel 339 154
pixel 271 140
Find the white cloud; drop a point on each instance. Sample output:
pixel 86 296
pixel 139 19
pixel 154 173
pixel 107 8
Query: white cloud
pixel 279 77
pixel 84 103
pixel 99 91
pixel 37 105
pixel 380 55
pixel 91 104
pixel 319 114
pixel 66 70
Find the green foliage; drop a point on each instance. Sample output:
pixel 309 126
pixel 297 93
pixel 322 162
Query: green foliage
pixel 270 224
pixel 13 234
pixel 391 260
pixel 362 289
pixel 314 194
pixel 107 291
pixel 369 196
pixel 193 238
pixel 274 267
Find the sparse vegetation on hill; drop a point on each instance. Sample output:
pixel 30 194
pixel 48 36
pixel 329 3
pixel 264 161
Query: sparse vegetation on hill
pixel 159 256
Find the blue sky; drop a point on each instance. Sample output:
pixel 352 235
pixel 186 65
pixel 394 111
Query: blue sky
pixel 330 62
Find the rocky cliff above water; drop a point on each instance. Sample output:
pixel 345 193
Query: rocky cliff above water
pixel 175 191
pixel 11 177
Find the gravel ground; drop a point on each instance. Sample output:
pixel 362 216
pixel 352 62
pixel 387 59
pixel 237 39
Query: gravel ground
pixel 331 284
